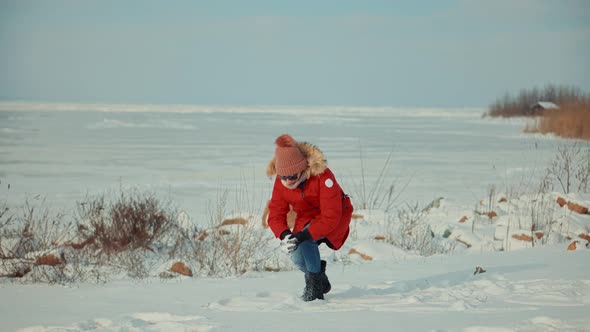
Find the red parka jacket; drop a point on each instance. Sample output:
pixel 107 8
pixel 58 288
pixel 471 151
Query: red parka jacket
pixel 319 202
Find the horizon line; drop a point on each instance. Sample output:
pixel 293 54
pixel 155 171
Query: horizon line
pixel 20 105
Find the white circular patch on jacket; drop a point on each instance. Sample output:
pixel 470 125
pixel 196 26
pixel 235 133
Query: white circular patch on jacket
pixel 329 183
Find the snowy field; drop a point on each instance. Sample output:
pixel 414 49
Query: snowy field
pixel 191 153
pixel 188 154
pixel 545 289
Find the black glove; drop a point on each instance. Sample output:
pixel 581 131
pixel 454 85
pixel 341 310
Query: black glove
pixel 285 234
pixel 294 240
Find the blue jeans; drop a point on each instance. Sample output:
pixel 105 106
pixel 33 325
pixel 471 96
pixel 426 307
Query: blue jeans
pixel 307 257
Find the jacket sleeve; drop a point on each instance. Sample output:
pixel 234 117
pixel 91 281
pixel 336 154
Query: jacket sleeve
pixel 330 207
pixel 278 208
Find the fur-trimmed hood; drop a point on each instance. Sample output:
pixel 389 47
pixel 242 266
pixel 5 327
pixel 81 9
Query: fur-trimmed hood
pixel 316 161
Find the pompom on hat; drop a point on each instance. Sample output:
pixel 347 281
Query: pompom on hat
pixel 288 158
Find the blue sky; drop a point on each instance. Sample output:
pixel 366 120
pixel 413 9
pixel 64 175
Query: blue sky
pixel 446 53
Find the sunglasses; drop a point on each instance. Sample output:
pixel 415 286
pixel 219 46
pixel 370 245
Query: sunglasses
pixel 291 177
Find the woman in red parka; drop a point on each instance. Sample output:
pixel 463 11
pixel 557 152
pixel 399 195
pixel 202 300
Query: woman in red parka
pixel 304 181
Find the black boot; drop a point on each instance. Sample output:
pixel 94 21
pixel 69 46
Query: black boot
pixel 313 287
pixel 325 282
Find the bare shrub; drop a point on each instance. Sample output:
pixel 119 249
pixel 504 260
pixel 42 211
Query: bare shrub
pixel 582 174
pixel 182 238
pixel 34 234
pixel 570 168
pixel 136 263
pixel 130 234
pixel 126 234
pixel 133 221
pixel 542 218
pixel 233 249
pixel 221 248
pixel 81 266
pixel 546 183
pixel 410 232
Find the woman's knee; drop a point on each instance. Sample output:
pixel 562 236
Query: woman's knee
pixel 298 260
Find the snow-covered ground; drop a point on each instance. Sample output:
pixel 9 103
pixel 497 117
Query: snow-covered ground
pixel 476 165
pixel 545 289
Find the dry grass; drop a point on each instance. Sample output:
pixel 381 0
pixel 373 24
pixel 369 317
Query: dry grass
pixel 133 233
pixel 571 121
pixel 230 248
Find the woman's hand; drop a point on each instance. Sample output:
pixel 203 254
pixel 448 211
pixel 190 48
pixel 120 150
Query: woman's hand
pixel 294 240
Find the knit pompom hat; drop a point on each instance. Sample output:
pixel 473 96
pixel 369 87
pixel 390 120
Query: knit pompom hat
pixel 288 158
